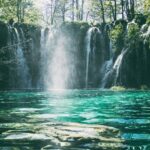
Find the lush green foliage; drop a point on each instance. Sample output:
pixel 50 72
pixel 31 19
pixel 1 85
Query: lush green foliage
pixel 140 19
pixel 147 6
pixel 148 20
pixel 12 9
pixel 8 9
pixel 117 35
pixel 58 11
pixel 133 31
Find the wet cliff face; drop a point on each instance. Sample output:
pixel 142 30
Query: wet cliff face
pixel 17 46
pixel 135 66
pixel 78 51
pixel 74 34
pixel 4 56
pixel 75 55
pixel 129 65
pixel 63 56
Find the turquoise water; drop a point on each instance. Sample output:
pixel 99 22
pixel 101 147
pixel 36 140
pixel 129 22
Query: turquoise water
pixel 127 111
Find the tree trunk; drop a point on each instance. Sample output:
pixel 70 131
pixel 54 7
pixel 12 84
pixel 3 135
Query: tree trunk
pixel 127 10
pixel 115 10
pixel 112 11
pixel 102 10
pixel 82 10
pixel 77 10
pixel 53 10
pixel 87 15
pixel 19 10
pixel 122 8
pixel 132 11
pixel 64 12
pixel 72 10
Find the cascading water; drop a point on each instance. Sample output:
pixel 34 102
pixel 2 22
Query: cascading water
pixel 105 71
pixel 59 62
pixel 24 80
pixel 60 70
pixel 117 65
pixel 90 51
pixel 55 60
pixel 12 53
pixel 43 58
pixel 111 71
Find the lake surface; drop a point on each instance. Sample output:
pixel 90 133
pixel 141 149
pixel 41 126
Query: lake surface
pixel 22 112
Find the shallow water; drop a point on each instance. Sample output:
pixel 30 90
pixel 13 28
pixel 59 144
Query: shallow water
pixel 127 111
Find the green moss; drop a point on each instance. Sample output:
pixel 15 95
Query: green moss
pixel 117 36
pixel 74 24
pixel 148 20
pixel 133 31
pixel 118 88
pixel 140 19
pixel 144 87
pixel 122 22
pixel 3 34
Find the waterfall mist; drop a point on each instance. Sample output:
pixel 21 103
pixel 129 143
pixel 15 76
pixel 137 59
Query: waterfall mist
pixel 58 60
pixel 60 67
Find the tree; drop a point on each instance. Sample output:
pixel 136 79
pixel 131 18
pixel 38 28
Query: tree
pixel 63 8
pixel 17 9
pixel 97 10
pixel 122 8
pixel 102 10
pixel 22 5
pixel 147 6
pixel 72 9
pixel 115 10
pixel 82 9
pixel 77 9
pixel 53 7
pixel 130 9
pixel 8 9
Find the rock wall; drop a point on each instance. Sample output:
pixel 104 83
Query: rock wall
pixel 121 55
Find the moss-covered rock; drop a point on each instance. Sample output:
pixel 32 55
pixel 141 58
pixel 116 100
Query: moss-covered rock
pixel 140 19
pixel 117 35
pixel 3 34
pixel 118 88
pixel 133 32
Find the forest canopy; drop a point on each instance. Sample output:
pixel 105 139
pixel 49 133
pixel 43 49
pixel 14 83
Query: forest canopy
pixel 57 11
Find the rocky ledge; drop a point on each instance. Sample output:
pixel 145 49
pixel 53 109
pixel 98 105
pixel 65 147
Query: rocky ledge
pixel 59 136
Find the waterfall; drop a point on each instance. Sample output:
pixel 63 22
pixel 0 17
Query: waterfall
pixel 47 56
pixel 40 84
pixel 107 66
pixel 88 49
pixel 117 65
pixel 90 42
pixel 46 44
pixel 55 60
pixel 24 80
pixel 12 54
pixel 106 71
pixel 60 70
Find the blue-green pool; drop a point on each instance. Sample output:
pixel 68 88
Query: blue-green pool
pixel 127 111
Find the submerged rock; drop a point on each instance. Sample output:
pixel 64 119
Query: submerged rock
pixel 62 136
